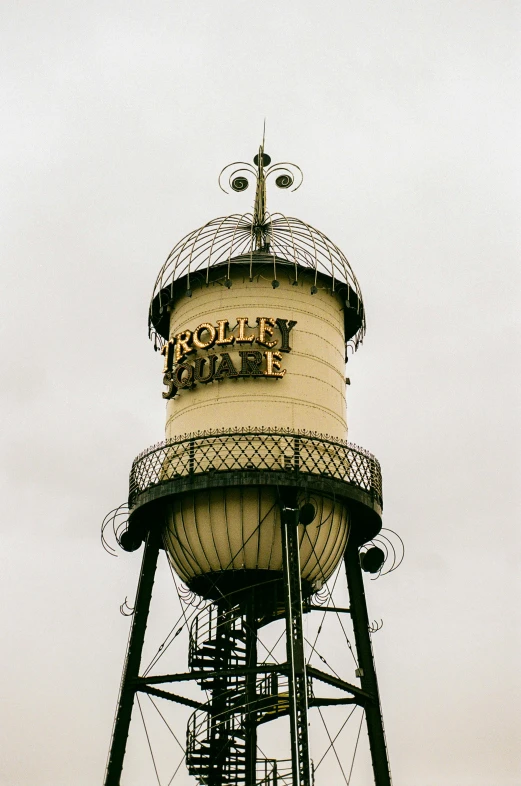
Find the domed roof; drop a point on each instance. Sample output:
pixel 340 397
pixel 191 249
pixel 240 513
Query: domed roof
pixel 252 238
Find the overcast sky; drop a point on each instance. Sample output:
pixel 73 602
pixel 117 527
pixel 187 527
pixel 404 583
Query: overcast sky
pixel 116 120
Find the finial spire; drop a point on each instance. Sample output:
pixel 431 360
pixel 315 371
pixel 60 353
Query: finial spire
pixel 237 181
pixel 261 160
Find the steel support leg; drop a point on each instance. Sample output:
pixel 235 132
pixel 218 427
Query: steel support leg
pixel 373 712
pixel 298 699
pixel 133 659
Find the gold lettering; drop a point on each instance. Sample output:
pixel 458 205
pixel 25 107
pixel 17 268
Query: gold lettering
pixel 196 338
pixel 180 379
pixel 182 342
pixel 266 325
pixel 199 366
pixel 166 350
pixel 169 382
pixel 273 361
pixel 241 338
pixel 225 368
pixel 251 360
pixel 285 328
pixel 222 329
pixel 179 374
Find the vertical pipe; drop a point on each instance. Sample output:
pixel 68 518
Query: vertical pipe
pixel 219 741
pixel 298 706
pixel 133 659
pixel 250 720
pixel 360 618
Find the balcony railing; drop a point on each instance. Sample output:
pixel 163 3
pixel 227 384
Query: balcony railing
pixel 275 450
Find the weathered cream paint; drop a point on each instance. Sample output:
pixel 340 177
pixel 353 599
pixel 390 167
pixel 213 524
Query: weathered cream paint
pixel 239 528
pixel 310 396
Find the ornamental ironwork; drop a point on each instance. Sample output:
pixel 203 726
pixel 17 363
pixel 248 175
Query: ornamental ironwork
pixel 281 245
pixel 272 450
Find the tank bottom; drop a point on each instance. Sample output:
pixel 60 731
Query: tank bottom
pixel 265 588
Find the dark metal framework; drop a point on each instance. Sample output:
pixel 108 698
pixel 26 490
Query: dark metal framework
pixel 222 732
pixel 298 690
pixel 285 243
pixel 296 453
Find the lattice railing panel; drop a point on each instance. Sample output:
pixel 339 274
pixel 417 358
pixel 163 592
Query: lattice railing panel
pixel 275 450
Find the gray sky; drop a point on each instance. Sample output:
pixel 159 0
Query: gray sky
pixel 116 120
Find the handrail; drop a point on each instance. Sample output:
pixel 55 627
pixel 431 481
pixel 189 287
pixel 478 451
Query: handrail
pixel 263 449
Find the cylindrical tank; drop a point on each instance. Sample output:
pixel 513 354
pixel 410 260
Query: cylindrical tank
pixel 310 395
pixel 251 346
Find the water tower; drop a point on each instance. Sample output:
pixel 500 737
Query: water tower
pixel 255 495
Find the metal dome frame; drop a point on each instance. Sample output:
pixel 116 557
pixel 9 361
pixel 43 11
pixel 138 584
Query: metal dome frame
pixel 281 241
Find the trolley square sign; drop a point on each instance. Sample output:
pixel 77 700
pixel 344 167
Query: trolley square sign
pixel 181 371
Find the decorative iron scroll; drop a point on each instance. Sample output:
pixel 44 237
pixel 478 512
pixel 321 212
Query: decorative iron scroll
pixel 276 450
pixel 393 549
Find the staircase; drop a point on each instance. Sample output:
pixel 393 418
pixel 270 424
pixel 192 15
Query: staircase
pixel 216 749
pixel 216 736
pixel 217 637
